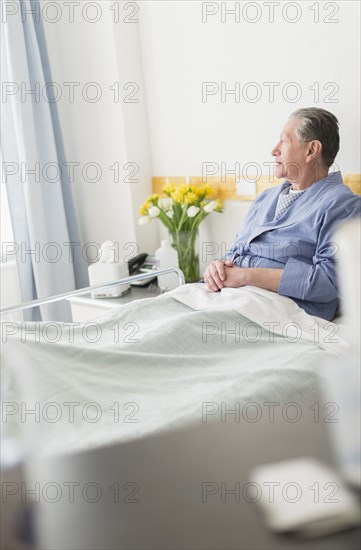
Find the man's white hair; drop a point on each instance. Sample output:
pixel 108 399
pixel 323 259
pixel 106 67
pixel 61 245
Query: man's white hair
pixel 319 124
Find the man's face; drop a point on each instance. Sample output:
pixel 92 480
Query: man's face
pixel 290 155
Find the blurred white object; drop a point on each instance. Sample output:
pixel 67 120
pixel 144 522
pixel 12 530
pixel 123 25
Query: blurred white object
pixel 342 376
pixel 107 270
pixel 305 496
pixel 166 256
pixel 21 440
pixel 348 243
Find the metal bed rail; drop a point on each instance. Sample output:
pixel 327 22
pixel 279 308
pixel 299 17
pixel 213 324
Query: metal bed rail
pixel 88 289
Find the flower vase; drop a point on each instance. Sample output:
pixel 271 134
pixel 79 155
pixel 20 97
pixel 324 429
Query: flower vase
pixel 186 244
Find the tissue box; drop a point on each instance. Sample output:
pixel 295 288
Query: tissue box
pixel 107 273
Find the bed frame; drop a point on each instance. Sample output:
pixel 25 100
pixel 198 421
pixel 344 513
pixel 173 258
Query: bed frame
pixel 58 297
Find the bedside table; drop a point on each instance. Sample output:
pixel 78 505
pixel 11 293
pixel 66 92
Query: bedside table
pixel 86 308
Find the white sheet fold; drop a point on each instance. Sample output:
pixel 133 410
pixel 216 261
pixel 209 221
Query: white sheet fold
pixel 276 313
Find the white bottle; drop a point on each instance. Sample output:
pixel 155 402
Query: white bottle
pixel 166 256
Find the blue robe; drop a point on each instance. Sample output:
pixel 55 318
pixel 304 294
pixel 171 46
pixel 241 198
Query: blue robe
pixel 301 241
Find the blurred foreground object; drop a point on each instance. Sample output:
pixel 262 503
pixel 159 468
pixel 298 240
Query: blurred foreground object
pixel 342 377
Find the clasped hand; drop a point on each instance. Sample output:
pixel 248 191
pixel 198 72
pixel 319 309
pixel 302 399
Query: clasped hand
pixel 224 274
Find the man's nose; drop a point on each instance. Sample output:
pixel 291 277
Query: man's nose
pixel 275 151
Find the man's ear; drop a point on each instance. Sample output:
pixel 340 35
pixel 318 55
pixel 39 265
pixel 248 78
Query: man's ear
pixel 314 150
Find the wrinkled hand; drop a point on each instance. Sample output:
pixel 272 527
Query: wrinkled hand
pixel 236 277
pixel 215 274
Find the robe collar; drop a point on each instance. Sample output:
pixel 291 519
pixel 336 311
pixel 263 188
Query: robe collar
pixel 312 196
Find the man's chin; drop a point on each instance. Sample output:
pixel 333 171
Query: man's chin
pixel 279 172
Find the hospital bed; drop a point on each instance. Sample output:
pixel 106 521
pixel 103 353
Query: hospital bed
pixel 158 363
pixel 194 359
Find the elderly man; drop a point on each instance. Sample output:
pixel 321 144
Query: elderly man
pixel 285 244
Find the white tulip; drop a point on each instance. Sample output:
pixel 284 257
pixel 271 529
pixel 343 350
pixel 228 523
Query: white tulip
pixel 210 207
pixel 143 220
pixel 154 211
pixel 192 211
pixel 170 214
pixel 165 203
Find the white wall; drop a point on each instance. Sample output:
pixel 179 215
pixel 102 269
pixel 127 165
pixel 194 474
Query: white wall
pixel 135 122
pixel 105 132
pixel 180 52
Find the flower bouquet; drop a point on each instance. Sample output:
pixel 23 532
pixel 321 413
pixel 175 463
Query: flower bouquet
pixel 181 210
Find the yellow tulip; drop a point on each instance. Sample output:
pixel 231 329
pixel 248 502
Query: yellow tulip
pixel 190 198
pixel 153 198
pixel 144 208
pixel 209 191
pixel 169 188
pixel 219 205
pixel 177 196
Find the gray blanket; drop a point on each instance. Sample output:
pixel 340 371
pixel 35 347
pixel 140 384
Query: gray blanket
pixel 149 366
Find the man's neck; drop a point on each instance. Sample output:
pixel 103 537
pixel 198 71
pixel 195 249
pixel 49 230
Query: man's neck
pixel 309 179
